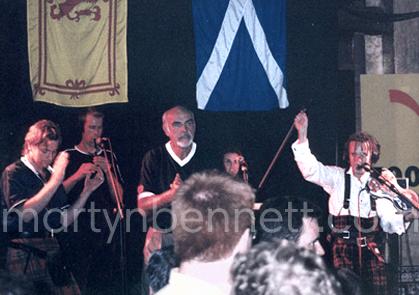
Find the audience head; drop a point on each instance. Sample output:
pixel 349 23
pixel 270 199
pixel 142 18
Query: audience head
pixel 290 218
pixel 158 268
pixel 212 217
pixel 280 267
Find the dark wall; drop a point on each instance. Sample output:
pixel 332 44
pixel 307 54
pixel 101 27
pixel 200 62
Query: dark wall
pixel 161 73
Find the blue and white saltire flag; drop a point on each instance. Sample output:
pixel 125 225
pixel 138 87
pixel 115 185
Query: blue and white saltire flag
pixel 240 54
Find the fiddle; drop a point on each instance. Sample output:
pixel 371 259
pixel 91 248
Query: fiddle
pixel 384 185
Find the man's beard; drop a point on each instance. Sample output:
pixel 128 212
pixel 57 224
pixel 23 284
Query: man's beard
pixel 185 140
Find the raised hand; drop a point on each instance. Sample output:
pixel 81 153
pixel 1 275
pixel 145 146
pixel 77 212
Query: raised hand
pixel 140 189
pixel 59 166
pixel 301 124
pixel 177 181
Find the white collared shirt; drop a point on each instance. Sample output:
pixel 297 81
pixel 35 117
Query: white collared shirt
pixel 332 180
pixel 28 164
pixel 175 157
pixel 185 284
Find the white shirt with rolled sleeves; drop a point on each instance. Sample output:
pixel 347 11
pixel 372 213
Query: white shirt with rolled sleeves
pixel 332 180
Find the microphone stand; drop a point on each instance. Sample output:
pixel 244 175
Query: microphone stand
pixel 111 165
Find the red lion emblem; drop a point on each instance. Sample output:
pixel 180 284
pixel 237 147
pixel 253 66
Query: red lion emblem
pixel 74 9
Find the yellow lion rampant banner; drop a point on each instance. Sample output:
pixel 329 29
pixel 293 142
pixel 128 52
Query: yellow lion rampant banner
pixel 390 112
pixel 77 51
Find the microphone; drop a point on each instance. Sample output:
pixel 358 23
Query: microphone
pixel 364 166
pixel 100 140
pixel 243 164
pixel 97 145
pixel 375 173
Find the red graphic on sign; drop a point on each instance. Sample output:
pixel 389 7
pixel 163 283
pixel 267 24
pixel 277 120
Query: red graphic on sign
pixel 405 99
pixel 74 9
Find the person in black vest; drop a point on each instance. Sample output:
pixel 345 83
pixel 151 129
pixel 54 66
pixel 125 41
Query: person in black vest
pixel 358 220
pixel 92 244
pixel 163 170
pixel 38 207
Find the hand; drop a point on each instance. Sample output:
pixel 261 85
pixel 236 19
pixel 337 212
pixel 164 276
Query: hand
pixel 140 189
pixel 301 124
pixel 91 184
pixel 101 162
pixel 411 195
pixel 85 169
pixel 389 177
pixel 411 214
pixel 177 181
pixel 59 166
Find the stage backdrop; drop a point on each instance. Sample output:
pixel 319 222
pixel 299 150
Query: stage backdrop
pixel 77 51
pixel 390 111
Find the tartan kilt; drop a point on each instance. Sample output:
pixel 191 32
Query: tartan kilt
pixel 35 268
pixel 346 254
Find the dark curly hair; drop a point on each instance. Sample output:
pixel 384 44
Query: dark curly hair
pixel 279 267
pixel 363 137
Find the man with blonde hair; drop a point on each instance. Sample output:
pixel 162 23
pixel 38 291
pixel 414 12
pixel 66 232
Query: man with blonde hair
pixel 32 191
